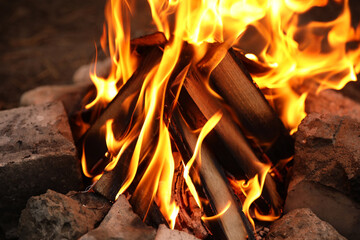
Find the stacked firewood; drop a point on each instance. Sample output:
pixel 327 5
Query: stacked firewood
pixel 248 134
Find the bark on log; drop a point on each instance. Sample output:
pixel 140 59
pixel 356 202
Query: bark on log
pixel 232 224
pixel 256 117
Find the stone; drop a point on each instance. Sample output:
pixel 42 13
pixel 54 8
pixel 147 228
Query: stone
pixel 302 224
pixel 82 74
pixel 164 233
pixel 332 102
pixel 55 216
pixel 36 153
pixel 70 95
pixel 327 151
pixel 121 223
pixel 326 171
pixel 328 204
pixel 92 201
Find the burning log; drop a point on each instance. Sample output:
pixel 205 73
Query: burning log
pixel 155 39
pixel 200 105
pixel 241 156
pixel 233 223
pixel 256 117
pixel 110 183
pixel 94 140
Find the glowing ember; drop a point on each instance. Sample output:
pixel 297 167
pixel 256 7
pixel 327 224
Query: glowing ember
pixel 294 52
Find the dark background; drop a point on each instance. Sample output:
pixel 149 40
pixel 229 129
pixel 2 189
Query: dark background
pixel 42 42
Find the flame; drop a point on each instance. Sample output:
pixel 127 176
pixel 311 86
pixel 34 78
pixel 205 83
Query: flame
pixel 294 52
pixel 124 62
pixel 209 125
pixel 204 218
pixel 252 190
pixel 206 20
pixel 299 53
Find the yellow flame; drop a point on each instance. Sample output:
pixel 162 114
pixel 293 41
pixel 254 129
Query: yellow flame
pixel 295 53
pixel 124 62
pixel 252 190
pixel 209 125
pixel 301 56
pixel 84 165
pixel 204 218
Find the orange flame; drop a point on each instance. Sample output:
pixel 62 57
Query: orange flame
pixel 204 218
pixel 298 53
pixel 294 52
pixel 209 125
pixel 124 62
pixel 252 190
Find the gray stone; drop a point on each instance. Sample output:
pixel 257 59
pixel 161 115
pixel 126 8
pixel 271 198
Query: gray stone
pixel 332 102
pixel 328 204
pixel 326 171
pixel 302 224
pixel 92 201
pixel 164 233
pixel 69 95
pixel 56 216
pixel 36 153
pixel 121 223
pixel 327 151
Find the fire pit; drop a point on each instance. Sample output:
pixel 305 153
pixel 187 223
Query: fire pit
pixel 196 125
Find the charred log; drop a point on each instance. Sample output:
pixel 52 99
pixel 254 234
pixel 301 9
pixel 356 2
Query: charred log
pixel 94 141
pixel 214 185
pixel 257 119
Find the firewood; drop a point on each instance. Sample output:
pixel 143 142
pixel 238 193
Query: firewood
pixel 154 39
pixel 241 154
pixel 250 65
pixel 94 139
pixel 232 224
pixel 256 117
pixel 110 183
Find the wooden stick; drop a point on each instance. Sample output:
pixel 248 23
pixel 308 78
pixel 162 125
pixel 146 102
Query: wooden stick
pixel 94 140
pixel 241 154
pixel 232 224
pixel 110 183
pixel 256 117
pixel 155 39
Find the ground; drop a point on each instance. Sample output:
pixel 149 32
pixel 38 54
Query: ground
pixel 44 42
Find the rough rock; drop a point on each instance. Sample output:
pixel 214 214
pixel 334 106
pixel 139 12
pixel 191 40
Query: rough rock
pixel 332 102
pixel 328 204
pixel 327 151
pixel 92 201
pixel 69 95
pixel 121 223
pixel 55 216
pixel 164 233
pixel 302 224
pixel 326 171
pixel 36 153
